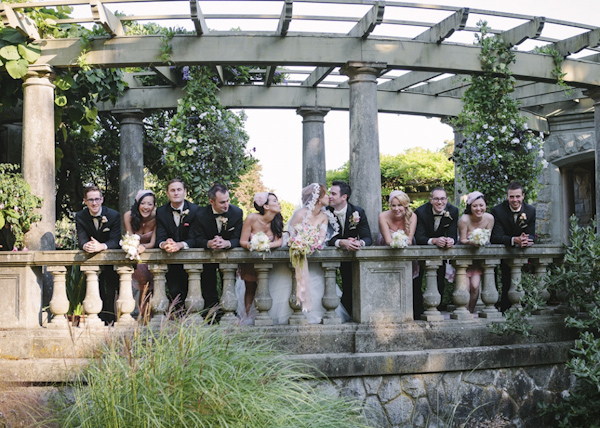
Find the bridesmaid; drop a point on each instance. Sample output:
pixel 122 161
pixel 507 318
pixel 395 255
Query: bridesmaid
pixel 269 221
pixel 398 217
pixel 141 220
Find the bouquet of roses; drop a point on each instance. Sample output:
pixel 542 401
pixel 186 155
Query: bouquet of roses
pixel 305 240
pixel 130 244
pixel 399 239
pixel 260 243
pixel 480 236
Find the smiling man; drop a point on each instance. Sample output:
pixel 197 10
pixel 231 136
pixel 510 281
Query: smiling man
pixel 99 229
pixel 219 227
pixel 514 226
pixel 175 232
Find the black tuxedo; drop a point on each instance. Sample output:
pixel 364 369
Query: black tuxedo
pixel 206 229
pixel 448 227
pixel 177 277
pixel 360 231
pixel 506 228
pixel 7 239
pixel 109 233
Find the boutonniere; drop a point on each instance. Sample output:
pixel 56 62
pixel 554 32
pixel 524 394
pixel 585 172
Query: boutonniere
pixel 103 220
pixel 185 212
pixel 446 214
pixel 223 220
pixel 523 220
pixel 354 220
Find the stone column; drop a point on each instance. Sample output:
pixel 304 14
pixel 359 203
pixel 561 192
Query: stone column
pixel 125 303
pixel 263 298
pixel 92 304
pixel 461 293
pixel 431 296
pixel 595 95
pixel 131 162
pixel 330 298
pixel 59 305
pixel 38 152
pixel 515 292
pixel 228 299
pixel 313 144
pixel 365 171
pixel 489 292
pixel 194 302
pixel 541 270
pixel 159 300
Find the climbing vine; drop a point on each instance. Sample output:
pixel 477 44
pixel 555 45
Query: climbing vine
pixel 498 147
pixel 557 71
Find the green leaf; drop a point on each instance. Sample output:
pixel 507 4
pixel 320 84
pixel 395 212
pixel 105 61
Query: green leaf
pixel 30 52
pixel 2 222
pixel 60 100
pixel 17 69
pixel 10 53
pixel 12 36
pixel 64 82
pixel 91 114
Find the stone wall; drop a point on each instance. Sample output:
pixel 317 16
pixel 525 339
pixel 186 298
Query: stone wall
pixel 477 398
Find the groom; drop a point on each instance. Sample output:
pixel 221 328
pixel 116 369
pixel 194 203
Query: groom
pixel 99 229
pixel 354 233
pixel 174 232
pixel 514 226
pixel 219 227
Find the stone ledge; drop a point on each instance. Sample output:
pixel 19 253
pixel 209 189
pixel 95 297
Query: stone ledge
pixel 41 370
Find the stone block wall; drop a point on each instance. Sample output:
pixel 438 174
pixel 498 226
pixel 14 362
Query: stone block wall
pixel 478 398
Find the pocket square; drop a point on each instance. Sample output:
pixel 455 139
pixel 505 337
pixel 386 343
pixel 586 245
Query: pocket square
pixel 229 230
pixel 106 229
pixel 186 225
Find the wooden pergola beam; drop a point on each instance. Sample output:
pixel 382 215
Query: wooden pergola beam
pixel 198 18
pixel 529 30
pixel 444 29
pixel 589 39
pixel 19 22
pixel 282 29
pixel 104 17
pixel 407 80
pixel 367 23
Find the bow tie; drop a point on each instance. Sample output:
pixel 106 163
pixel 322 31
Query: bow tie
pixel 216 215
pixel 338 213
pixel 176 210
pixel 97 217
pixel 438 215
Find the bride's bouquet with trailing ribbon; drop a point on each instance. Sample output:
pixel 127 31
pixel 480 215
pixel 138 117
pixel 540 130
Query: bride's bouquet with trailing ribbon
pixel 399 239
pixel 131 244
pixel 305 240
pixel 480 236
pixel 260 243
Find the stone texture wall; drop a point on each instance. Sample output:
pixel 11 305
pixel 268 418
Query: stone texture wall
pixel 479 398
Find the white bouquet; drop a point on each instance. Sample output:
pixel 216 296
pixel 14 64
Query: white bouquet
pixel 399 240
pixel 260 243
pixel 480 236
pixel 130 244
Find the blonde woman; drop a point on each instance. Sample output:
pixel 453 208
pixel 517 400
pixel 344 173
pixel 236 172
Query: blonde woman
pixel 398 217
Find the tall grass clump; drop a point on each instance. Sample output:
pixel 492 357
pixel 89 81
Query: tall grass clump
pixel 187 375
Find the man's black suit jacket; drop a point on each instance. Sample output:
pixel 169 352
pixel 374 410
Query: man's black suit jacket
pixel 206 226
pixel 166 228
pixel 361 231
pixel 425 223
pixel 505 227
pixel 109 231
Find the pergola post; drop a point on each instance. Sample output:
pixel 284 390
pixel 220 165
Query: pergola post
pixel 131 165
pixel 38 164
pixel 313 144
pixel 365 171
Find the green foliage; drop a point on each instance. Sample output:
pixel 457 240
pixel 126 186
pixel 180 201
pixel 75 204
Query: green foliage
pixel 187 375
pixel 498 148
pixel 516 321
pixel 557 71
pixel 17 204
pixel 204 143
pixel 16 53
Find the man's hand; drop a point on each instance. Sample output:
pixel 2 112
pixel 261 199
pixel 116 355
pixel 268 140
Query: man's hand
pixel 443 242
pixel 350 244
pixel 93 246
pixel 218 243
pixel 170 246
pixel 523 241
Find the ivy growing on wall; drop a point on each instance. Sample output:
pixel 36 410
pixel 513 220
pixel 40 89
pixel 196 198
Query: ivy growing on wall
pixel 498 147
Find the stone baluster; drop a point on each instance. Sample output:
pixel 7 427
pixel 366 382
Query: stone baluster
pixel 228 298
pixel 59 305
pixel 125 303
pixel 461 293
pixel 263 298
pixel 194 302
pixel 489 292
pixel 298 317
pixel 431 297
pixel 541 270
pixel 330 299
pixel 159 300
pixel 92 304
pixel 515 292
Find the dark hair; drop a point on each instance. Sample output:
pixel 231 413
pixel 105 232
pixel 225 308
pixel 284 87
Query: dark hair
pixel 212 192
pixel 92 188
pixel 276 223
pixel 136 217
pixel 468 207
pixel 438 188
pixel 344 187
pixel 514 185
pixel 176 180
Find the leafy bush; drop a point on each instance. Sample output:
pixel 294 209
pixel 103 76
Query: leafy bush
pixel 189 375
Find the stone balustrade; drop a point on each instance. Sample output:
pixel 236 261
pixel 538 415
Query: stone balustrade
pixel 382 283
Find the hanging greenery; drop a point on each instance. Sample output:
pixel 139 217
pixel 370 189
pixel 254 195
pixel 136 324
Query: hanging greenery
pixel 498 147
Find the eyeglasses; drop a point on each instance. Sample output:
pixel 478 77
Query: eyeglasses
pixel 439 199
pixel 95 200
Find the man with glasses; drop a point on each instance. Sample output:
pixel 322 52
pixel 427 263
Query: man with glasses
pixel 99 229
pixel 437 224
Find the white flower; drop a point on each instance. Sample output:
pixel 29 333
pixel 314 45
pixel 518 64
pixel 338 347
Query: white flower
pixel 399 240
pixel 544 163
pixel 485 126
pixel 260 243
pixel 130 244
pixel 529 146
pixel 192 108
pixel 541 153
pixel 490 138
pixel 515 140
pixel 192 141
pixel 202 115
pixel 480 236
pixel 503 129
pixel 512 122
pixel 525 126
